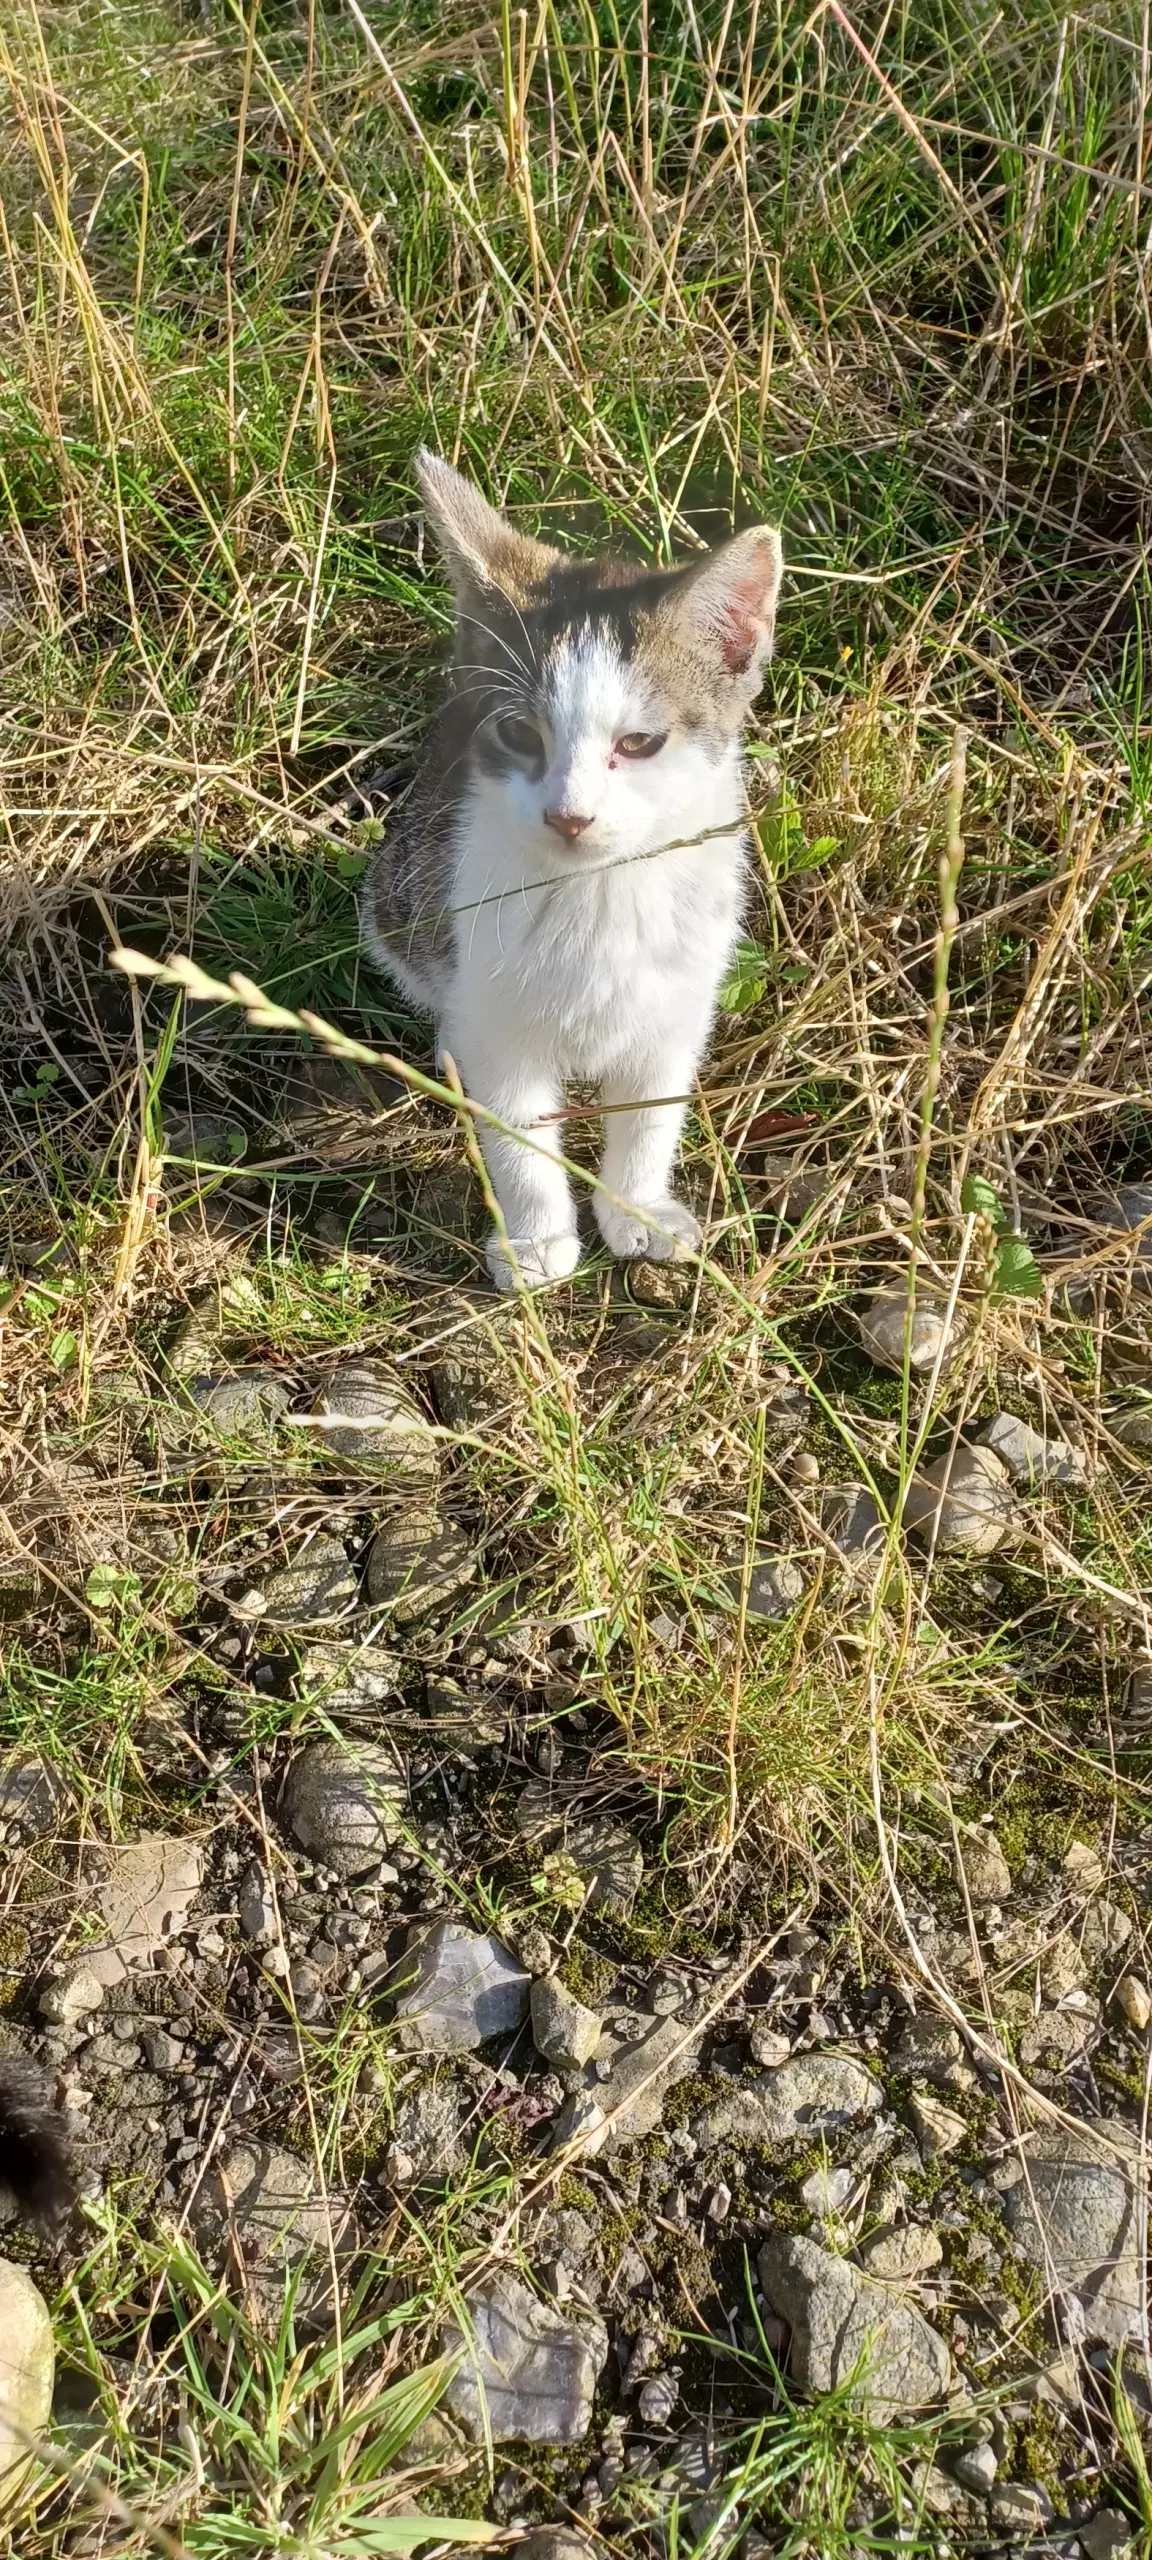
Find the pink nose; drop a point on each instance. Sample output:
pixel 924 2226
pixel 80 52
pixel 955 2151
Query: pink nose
pixel 564 825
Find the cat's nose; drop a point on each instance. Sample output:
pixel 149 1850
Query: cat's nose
pixel 564 825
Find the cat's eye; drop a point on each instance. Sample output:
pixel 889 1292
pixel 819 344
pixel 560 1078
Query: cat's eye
pixel 521 737
pixel 638 743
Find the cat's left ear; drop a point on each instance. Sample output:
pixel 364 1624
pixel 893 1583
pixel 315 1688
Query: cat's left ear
pixel 725 610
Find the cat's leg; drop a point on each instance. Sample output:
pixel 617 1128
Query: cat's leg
pixel 523 1164
pixel 641 1136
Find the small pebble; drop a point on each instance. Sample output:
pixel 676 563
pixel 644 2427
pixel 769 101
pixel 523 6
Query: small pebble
pixel 1136 2002
pixel 806 1467
pixel 658 2398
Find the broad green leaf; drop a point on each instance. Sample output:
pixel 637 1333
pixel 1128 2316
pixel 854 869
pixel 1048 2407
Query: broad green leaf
pixel 744 983
pixel 62 1350
pixel 109 1587
pixel 979 1200
pixel 1017 1273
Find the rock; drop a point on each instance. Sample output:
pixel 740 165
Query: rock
pixel 27 2373
pixel 162 2051
pixel 416 1564
pixel 659 2395
pixel 767 2045
pixel 256 1904
pixel 986 1869
pixel 903 2253
pixel 1028 1456
pixel 472 1369
pixel 563 2030
pixel 458 1990
pixel 246 1405
pixel 74 1996
pixel 1056 2037
pixel 366 1417
pixel 1108 2535
pixel 1134 1999
pixel 143 1898
pixel 425 2148
pixel 976 2469
pixel 1104 1930
pixel 851 1516
pixel 826 2190
pixel 1083 1866
pixel 319 1585
pixel 965 1501
pixel 882 1324
pixel 840 2320
pixel 611 1859
pixel 555 2542
pixel 1018 2507
pixel 1127 1207
pixel 930 2047
pixel 30 1795
pixel 354 1683
pixel 1076 2216
pixel 938 2130
pixel 528 2375
pixel 1134 1430
pixel 638 2060
pixel 775 1585
pixel 670 1285
pixel 604 1852
pixel 810 2095
pixel 271 2201
pixel 344 1803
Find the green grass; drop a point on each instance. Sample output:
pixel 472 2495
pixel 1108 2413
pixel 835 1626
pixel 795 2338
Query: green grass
pixel 647 274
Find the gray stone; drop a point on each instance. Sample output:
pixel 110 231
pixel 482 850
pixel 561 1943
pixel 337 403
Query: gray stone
pixel 930 2047
pixel 939 2130
pixel 902 2254
pixel 965 1501
pixel 255 1904
pixel 417 1563
pixel 882 1323
pixel 27 2372
pixel 273 2202
pixel 555 2542
pixel 319 1585
pixel 344 1803
pixel 825 2190
pixel 1074 2210
pixel 458 1990
pixel 1103 1932
pixel 851 1516
pixel 976 2469
pixel 1055 2038
pixel 1108 2535
pixel 143 1898
pixel 986 1870
pixel 472 1368
pixel 162 2051
pixel 528 2375
pixel 366 1417
pixel 73 1996
pixel 357 1683
pixel 1134 1998
pixel 657 2398
pixel 246 1405
pixel 775 1586
pixel 810 2095
pixel 425 2148
pixel 1134 1430
pixel 1124 1209
pixel 564 2032
pixel 845 2328
pixel 638 2060
pixel 603 1852
pixel 29 1794
pixel 1019 2507
pixel 1028 1456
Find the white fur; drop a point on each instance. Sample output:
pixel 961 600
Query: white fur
pixel 598 959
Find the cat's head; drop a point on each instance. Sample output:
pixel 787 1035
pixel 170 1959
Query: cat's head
pixel 602 694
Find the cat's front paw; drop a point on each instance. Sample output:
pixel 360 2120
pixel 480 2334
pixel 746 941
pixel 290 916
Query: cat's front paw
pixel 531 1262
pixel 651 1230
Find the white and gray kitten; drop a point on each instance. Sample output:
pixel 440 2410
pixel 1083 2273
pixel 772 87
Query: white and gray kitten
pixel 563 888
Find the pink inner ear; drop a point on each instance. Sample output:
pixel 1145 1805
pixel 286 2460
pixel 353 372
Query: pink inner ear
pixel 741 622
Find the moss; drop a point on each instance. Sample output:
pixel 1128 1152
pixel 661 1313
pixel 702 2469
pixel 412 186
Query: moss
pixel 15 1954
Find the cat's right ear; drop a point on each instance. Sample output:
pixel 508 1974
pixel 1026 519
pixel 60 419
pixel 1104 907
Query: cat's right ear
pixel 484 555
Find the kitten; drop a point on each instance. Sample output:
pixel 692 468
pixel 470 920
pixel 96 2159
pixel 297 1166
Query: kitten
pixel 564 886
pixel 34 2170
